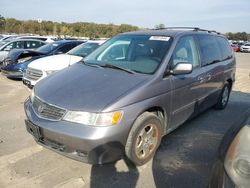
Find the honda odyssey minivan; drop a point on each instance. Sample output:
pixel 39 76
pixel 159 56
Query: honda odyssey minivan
pixel 130 92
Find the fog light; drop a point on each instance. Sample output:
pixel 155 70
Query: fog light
pixel 242 167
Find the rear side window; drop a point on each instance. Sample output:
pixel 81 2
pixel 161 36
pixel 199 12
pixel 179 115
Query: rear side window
pixel 210 51
pixel 32 44
pixel 226 50
pixel 13 45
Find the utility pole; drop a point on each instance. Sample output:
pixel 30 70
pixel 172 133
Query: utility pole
pixel 39 20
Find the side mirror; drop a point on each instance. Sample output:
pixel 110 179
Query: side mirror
pixel 182 68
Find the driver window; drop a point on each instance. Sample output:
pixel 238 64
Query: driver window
pixel 185 52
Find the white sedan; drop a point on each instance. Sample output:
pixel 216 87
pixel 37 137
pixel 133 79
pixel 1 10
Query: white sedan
pixel 41 68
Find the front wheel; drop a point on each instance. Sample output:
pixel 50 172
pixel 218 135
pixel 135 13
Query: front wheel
pixel 224 97
pixel 144 138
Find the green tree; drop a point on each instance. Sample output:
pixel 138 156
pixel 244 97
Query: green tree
pixel 2 23
pixel 79 29
pixel 238 36
pixel 160 26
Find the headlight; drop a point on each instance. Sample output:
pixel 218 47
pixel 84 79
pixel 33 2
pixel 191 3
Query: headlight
pixel 94 119
pixel 22 60
pixel 50 72
pixel 237 161
pixel 32 95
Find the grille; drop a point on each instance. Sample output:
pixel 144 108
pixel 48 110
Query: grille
pixel 47 111
pixel 33 74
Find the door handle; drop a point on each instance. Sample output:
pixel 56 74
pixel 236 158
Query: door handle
pixel 208 76
pixel 201 79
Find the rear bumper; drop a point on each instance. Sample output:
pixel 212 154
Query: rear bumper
pixel 95 145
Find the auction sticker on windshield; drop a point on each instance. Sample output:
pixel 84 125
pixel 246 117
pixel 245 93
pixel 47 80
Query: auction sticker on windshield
pixel 161 38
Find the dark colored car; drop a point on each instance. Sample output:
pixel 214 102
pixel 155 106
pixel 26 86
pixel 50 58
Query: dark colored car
pixel 130 92
pixel 232 168
pixel 17 61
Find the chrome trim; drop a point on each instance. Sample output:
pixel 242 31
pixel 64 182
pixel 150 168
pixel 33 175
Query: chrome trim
pixel 182 108
pixel 33 74
pixel 46 103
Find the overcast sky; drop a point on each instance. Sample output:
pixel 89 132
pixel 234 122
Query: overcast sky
pixel 220 15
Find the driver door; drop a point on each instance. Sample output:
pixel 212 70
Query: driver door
pixel 186 88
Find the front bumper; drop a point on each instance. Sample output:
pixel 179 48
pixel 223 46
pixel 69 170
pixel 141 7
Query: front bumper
pixel 12 74
pixel 245 50
pixel 95 145
pixel 29 83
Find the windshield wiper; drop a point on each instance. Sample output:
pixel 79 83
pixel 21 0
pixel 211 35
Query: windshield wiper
pixel 90 64
pixel 214 61
pixel 81 55
pixel 117 67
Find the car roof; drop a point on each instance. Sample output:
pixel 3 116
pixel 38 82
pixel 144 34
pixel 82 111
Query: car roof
pixel 66 41
pixel 96 41
pixel 14 40
pixel 172 32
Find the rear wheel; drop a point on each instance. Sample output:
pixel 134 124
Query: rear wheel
pixel 224 97
pixel 144 138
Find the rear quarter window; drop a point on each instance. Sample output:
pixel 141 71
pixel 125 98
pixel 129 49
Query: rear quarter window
pixel 226 50
pixel 210 51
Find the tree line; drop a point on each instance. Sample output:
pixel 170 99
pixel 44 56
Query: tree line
pixel 80 29
pixel 77 29
pixel 238 36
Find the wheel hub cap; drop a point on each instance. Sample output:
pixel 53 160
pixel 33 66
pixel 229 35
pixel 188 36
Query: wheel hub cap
pixel 146 141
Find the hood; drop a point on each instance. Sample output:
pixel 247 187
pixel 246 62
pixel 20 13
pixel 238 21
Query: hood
pixel 54 62
pixel 16 54
pixel 84 88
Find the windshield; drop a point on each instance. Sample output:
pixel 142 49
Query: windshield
pixel 47 48
pixel 138 53
pixel 84 49
pixel 4 42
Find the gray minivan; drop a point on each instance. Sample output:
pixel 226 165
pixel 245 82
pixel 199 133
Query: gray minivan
pixel 130 92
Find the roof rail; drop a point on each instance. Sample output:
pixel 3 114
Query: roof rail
pixel 190 28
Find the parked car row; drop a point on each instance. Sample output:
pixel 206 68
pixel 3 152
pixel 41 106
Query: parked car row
pixel 123 97
pixel 240 46
pixel 18 59
pixel 45 60
pixel 8 45
pixel 43 38
pixel 43 67
pixel 9 42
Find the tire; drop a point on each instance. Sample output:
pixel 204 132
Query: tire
pixel 144 138
pixel 224 97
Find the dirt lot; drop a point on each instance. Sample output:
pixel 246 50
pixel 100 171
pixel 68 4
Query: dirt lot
pixel 184 158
